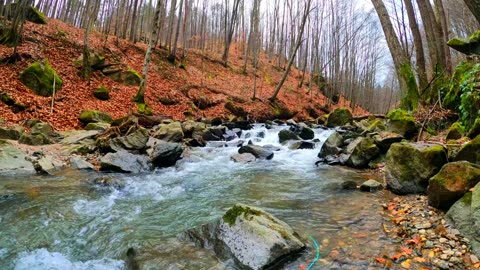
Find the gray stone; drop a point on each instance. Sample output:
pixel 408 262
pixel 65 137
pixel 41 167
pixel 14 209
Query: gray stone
pixel 97 126
pixel 34 139
pixel 371 186
pixel 80 164
pixel 243 158
pixel 385 139
pixel 47 164
pixel 166 154
pixel 302 145
pixel 287 135
pixel 43 128
pixel 258 151
pixel 137 140
pixel 171 132
pixel 10 134
pixel 360 152
pixel 125 162
pixel 13 161
pixel 253 238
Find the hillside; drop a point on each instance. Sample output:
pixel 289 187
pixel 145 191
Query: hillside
pixel 203 81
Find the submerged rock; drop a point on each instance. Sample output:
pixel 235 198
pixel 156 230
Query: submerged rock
pixel 451 183
pixel 409 166
pixel 125 162
pixel 257 151
pixel 302 145
pixel 253 238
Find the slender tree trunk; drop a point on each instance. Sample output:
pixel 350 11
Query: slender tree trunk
pixel 229 32
pixel 172 57
pixel 294 52
pixel 92 10
pixel 405 74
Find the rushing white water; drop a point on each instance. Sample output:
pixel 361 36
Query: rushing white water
pixel 60 223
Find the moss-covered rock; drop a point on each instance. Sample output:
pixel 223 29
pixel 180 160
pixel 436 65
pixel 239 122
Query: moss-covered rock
pixel 97 126
pixel 170 132
pixel 102 93
pixel 339 117
pixel 475 130
pixel 452 182
pixel 470 151
pixel 39 77
pixel 34 139
pixel 12 103
pixel 467 46
pixel 43 128
pixel 10 134
pixel 92 116
pixel 360 152
pixel 385 139
pixel 236 110
pixel 95 60
pixel 455 132
pixel 35 16
pixel 127 77
pixel 409 166
pixel 287 135
pixel 403 123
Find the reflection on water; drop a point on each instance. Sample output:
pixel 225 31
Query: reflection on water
pixel 62 223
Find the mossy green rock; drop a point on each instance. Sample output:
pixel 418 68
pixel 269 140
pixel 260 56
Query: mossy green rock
pixel 102 93
pixel 35 16
pixel 361 152
pixel 34 139
pixel 92 116
pixel 410 166
pixel 455 132
pixel 10 134
pixel 451 183
pixel 129 77
pixel 470 151
pixel 137 140
pixel 339 117
pixel 475 130
pixel 251 237
pixel 39 77
pixel 467 46
pixel 43 128
pixel 403 123
pixel 97 126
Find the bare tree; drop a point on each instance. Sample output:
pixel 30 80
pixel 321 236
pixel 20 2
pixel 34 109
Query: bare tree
pixel 229 29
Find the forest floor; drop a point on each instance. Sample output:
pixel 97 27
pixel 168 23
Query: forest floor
pixel 61 44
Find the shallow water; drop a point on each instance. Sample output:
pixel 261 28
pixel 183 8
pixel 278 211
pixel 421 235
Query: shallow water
pixel 61 222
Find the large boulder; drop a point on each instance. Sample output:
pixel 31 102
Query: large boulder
pixel 124 162
pixel 34 139
pixel 10 134
pixel 287 135
pixel 339 117
pixel 92 116
pixel 137 140
pixel 253 238
pixel 78 142
pixel 258 151
pixel 360 152
pixel 170 132
pixel 403 123
pixel 409 166
pixel 470 151
pixel 332 146
pixel 303 131
pixel 165 154
pixel 13 161
pixel 39 77
pixel 451 183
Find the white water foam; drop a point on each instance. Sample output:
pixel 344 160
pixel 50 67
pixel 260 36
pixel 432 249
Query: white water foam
pixel 42 259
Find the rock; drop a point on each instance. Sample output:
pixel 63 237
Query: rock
pixel 31 122
pixel 332 145
pixel 349 185
pixel 470 151
pixel 10 134
pixel 13 161
pixel 80 164
pixel 243 158
pixel 166 154
pixel 96 62
pixel 102 93
pixel 286 135
pixel 229 136
pixel 77 136
pixel 409 166
pixel 34 139
pixel 258 151
pixel 47 164
pixel 272 148
pixel 97 126
pixel 371 186
pixel 106 183
pixel 92 116
pixel 475 130
pixel 243 125
pixel 236 110
pixel 403 123
pixel 39 77
pixel 339 117
pixel 124 162
pixel 371 125
pixel 253 238
pixel 385 139
pixel 302 145
pixel 127 77
pixel 214 133
pixel 455 132
pixel 451 183
pixel 78 142
pixel 193 129
pixel 171 132
pixel 137 140
pixel 303 131
pixel 43 128
pixel 360 152
pixel 35 16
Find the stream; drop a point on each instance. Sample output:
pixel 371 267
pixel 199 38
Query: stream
pixel 63 222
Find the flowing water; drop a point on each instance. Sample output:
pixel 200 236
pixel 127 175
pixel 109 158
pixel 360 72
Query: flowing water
pixel 62 222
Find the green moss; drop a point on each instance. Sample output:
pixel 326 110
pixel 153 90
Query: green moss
pixel 92 116
pixel 455 132
pixel 339 117
pixel 230 217
pixel 475 130
pixel 457 42
pixel 400 115
pixel 143 108
pixel 410 97
pixel 40 77
pixel 452 98
pixel 12 103
pixel 102 93
pixel 35 16
pixel 475 37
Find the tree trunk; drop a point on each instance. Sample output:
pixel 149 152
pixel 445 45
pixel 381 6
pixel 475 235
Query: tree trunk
pixel 173 56
pixel 402 64
pixel 92 10
pixel 229 32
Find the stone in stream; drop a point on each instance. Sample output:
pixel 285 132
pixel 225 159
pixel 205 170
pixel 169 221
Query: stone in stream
pixel 80 164
pixel 166 154
pixel 13 161
pixel 384 140
pixel 359 153
pixel 253 238
pixel 302 145
pixel 257 151
pixel 287 135
pixel 124 162
pixel 451 183
pixel 409 166
pixel 371 186
pixel 332 145
pixel 243 158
